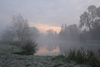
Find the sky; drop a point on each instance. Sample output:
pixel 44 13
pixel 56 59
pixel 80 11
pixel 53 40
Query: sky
pixel 44 14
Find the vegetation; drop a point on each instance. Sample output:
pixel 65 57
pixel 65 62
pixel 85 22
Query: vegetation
pixel 29 48
pixel 90 23
pixel 82 57
pixel 7 59
pixel 19 31
pixel 19 34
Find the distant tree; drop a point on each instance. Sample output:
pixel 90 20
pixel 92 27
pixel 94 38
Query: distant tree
pixel 50 32
pixel 73 32
pixel 70 32
pixel 55 33
pixel 62 27
pixel 88 18
pixel 63 34
pixel 20 28
pixel 34 33
pixel 17 31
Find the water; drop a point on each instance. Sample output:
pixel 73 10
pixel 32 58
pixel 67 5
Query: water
pixel 61 47
pixel 44 51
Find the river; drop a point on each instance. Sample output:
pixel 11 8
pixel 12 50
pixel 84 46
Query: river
pixel 56 48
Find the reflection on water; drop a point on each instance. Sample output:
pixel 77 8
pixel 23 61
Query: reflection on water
pixel 61 47
pixel 48 50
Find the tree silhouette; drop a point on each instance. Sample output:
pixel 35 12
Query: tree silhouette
pixel 20 28
pixel 91 21
pixel 88 18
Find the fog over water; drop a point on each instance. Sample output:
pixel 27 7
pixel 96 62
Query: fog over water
pixel 54 46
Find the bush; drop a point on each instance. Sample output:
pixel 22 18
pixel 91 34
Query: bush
pixel 29 48
pixel 81 57
pixel 61 58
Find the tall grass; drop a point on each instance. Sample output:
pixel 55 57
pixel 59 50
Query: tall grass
pixel 81 57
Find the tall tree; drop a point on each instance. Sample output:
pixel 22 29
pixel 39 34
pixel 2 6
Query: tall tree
pixel 20 28
pixel 98 11
pixel 88 18
pixel 91 20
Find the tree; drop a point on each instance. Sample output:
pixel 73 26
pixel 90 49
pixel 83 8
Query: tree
pixel 98 11
pixel 88 18
pixel 20 28
pixel 50 32
pixel 70 32
pixel 73 32
pixel 19 34
pixel 91 20
pixel 34 33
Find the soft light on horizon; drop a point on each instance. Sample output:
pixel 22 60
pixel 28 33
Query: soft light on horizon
pixel 43 27
pixel 44 51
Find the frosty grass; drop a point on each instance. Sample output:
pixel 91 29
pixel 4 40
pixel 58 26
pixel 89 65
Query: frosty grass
pixel 7 59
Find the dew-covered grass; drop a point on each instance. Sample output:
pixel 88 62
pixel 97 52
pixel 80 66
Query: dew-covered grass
pixel 7 59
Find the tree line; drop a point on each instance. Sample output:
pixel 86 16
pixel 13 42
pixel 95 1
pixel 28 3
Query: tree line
pixel 88 29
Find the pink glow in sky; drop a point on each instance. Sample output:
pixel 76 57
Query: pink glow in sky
pixel 43 28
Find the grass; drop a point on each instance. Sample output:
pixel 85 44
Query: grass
pixel 82 57
pixel 75 58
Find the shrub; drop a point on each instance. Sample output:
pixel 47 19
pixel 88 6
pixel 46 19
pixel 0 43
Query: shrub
pixel 61 58
pixel 29 48
pixel 81 57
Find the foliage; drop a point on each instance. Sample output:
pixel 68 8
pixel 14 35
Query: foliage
pixel 70 32
pixel 29 48
pixel 20 28
pixel 7 59
pixel 90 24
pixel 61 57
pixel 34 32
pixel 80 56
pixel 88 17
pixel 51 32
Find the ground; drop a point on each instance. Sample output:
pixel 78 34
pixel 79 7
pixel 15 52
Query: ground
pixel 7 59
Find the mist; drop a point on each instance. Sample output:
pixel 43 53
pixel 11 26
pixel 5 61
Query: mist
pixel 52 43
pixel 50 33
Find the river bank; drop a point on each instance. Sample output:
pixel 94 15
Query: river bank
pixel 7 59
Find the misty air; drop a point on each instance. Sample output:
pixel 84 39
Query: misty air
pixel 50 33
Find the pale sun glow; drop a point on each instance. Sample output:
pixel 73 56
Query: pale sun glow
pixel 43 28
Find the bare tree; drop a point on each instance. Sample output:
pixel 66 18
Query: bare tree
pixel 20 28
